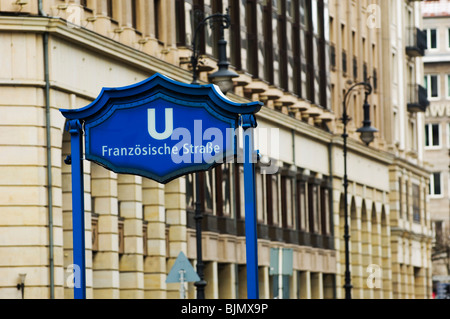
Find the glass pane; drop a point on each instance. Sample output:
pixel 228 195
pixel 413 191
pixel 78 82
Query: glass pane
pixel 189 22
pixel 241 188
pixel 208 191
pixel 190 191
pixel 259 196
pixel 434 86
pixel 288 201
pixel 433 39
pixel 436 141
pixel 448 84
pixel 226 189
pixel 427 135
pixel 275 198
pixel 437 183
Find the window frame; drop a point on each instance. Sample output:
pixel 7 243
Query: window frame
pixel 429 39
pixel 429 131
pixel 432 192
pixel 447 87
pixel 428 87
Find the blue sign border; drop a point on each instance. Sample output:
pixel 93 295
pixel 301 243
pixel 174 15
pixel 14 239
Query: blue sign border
pixel 207 96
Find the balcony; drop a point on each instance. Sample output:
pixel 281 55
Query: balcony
pixel 416 42
pixel 417 99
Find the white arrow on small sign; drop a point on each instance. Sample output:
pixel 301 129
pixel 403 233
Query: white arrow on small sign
pixel 182 271
pixel 183 265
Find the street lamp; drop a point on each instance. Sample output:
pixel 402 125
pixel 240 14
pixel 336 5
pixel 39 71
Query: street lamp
pixel 223 78
pixel 21 285
pixel 367 136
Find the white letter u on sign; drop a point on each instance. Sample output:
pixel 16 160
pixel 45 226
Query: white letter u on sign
pixel 152 125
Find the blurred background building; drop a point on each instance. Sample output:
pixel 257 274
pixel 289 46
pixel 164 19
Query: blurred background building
pixel 299 57
pixel 436 16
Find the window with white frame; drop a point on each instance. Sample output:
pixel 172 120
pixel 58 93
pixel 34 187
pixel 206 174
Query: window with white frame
pixel 448 86
pixel 432 135
pixel 436 184
pixel 431 83
pixel 432 39
pixel 448 135
pixel 448 37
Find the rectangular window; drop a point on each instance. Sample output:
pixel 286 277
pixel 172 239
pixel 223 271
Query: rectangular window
pixel 325 211
pixel 180 21
pixel 448 86
pixel 206 191
pixel 272 199
pixel 314 208
pixel 448 37
pixel 302 206
pixel 156 18
pixel 407 200
pixel 252 37
pixel 432 135
pixel 260 196
pixel 436 184
pixel 190 197
pixel 432 39
pixel 400 198
pixel 134 14
pixel 223 190
pixel 448 138
pixel 416 203
pixel 286 204
pixel 109 8
pixel 432 85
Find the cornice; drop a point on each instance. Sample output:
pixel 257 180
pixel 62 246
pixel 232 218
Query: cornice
pixel 94 41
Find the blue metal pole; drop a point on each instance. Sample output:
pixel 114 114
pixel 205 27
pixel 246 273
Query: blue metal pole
pixel 79 258
pixel 248 123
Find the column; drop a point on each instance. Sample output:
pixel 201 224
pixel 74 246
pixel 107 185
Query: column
pixel 175 202
pixel 264 284
pixel 212 278
pixel 226 281
pixel 305 285
pixel 316 285
pixel 131 263
pixel 242 284
pixel 366 251
pixel 155 271
pixel 106 260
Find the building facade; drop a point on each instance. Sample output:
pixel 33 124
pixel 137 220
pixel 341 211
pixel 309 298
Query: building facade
pixel 295 56
pixel 437 129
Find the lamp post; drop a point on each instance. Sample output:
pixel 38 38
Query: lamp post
pixel 367 136
pixel 223 79
pixel 21 285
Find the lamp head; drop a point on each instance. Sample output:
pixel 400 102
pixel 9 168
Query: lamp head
pixel 367 133
pixel 22 278
pixel 223 78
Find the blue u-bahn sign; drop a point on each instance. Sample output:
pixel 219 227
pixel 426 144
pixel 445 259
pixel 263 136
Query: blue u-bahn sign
pixel 161 129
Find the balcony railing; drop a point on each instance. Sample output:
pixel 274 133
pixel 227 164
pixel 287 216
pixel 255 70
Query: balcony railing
pixel 417 98
pixel 229 226
pixel 416 42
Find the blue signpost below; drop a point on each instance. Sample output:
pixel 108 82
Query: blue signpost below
pixel 79 258
pixel 251 239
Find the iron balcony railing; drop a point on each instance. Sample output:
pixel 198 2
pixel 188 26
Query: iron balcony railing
pixel 417 98
pixel 416 42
